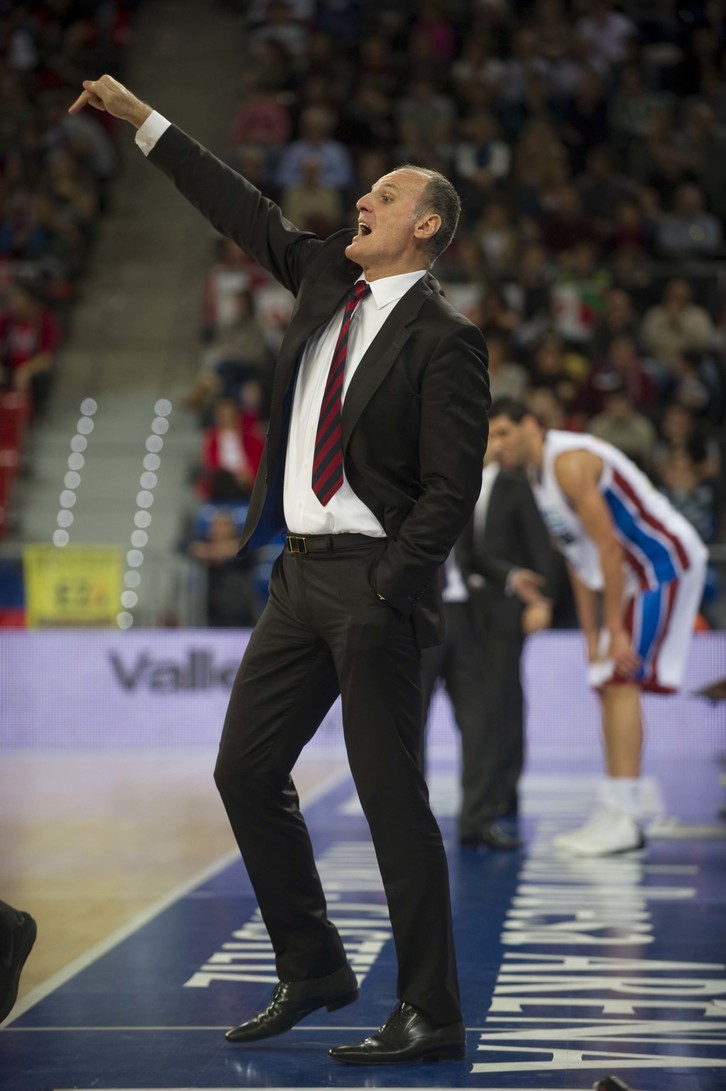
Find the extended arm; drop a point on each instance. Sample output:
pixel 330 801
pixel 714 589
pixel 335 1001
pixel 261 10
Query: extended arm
pixel 577 473
pixel 231 204
pixel 586 606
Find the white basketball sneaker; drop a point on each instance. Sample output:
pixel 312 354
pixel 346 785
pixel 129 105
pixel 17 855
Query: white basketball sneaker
pixel 606 833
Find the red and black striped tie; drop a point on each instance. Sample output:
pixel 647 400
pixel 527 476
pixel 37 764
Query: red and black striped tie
pixel 328 460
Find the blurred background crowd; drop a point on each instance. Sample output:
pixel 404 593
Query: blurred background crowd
pixel 587 140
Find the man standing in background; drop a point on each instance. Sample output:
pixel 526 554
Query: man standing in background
pixel 637 570
pixel 510 568
pixel 490 605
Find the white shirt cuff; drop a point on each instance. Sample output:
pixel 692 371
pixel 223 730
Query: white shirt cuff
pixel 147 134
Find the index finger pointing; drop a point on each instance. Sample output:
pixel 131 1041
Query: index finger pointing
pixel 80 102
pixel 85 97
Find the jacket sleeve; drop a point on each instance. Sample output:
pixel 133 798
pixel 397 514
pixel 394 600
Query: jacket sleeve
pixel 532 548
pixel 493 569
pixel 235 207
pixel 453 437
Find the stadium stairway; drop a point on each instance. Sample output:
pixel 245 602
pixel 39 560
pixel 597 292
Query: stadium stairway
pixel 134 337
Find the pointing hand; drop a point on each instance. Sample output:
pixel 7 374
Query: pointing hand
pixel 108 94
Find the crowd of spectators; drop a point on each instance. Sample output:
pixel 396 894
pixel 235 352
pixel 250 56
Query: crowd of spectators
pixel 587 139
pixel 55 174
pixel 588 142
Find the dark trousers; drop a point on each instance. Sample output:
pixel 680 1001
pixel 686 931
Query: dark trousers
pixel 502 653
pixel 325 631
pixel 459 664
pixel 480 673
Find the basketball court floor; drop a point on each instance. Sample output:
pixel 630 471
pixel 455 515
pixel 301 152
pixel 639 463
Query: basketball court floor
pixel 150 944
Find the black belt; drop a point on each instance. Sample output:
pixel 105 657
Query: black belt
pixel 326 543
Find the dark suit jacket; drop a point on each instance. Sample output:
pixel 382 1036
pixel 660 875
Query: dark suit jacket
pixel 514 537
pixel 414 417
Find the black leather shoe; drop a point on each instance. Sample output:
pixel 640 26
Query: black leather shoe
pixel 405 1037
pixel 492 836
pixel 293 1000
pixel 19 933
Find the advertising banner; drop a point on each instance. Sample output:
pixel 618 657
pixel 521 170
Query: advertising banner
pixel 75 585
pixel 114 689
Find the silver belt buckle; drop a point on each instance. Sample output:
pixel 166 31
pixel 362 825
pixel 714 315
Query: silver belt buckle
pixel 296 544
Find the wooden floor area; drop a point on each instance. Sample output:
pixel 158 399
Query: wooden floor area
pixel 92 840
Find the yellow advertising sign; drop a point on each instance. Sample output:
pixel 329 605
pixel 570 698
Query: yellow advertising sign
pixel 72 585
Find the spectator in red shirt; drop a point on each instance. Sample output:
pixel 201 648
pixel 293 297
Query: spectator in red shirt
pixel 566 224
pixel 232 448
pixel 29 339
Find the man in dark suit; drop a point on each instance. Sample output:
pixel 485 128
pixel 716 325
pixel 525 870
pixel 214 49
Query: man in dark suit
pixel 478 661
pixel 510 574
pixel 372 496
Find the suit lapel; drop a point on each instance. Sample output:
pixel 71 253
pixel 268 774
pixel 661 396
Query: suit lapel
pixel 496 500
pixel 382 353
pixel 326 300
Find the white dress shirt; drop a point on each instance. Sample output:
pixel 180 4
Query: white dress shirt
pixel 481 510
pixel 344 512
pixel 454 589
pixel 148 133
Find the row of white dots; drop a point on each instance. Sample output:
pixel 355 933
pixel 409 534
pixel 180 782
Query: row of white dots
pixel 72 479
pixel 142 519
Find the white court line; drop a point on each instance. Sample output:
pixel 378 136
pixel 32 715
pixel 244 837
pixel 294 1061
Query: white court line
pixel 137 922
pixel 303 1029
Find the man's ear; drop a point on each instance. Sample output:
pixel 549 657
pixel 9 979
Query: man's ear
pixel 427 226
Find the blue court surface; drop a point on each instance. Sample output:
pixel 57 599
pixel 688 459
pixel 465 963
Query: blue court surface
pixel 570 969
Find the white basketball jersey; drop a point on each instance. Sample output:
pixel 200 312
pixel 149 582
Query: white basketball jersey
pixel 659 545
